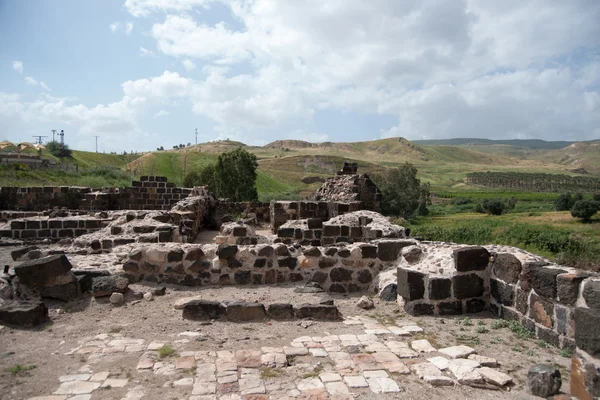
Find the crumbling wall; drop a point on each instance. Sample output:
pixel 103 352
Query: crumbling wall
pixel 351 188
pixel 56 228
pixel 229 211
pixel 283 211
pixel 41 198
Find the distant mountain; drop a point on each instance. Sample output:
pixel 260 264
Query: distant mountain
pixel 525 143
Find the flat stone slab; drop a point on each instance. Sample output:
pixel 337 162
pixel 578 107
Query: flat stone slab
pixel 440 362
pixel 460 351
pixel 484 361
pixel 356 381
pixel 383 385
pixel 438 380
pixel 422 346
pixel 425 369
pixel 327 377
pixel 494 376
pixel 77 387
pixel 464 371
pixel 309 383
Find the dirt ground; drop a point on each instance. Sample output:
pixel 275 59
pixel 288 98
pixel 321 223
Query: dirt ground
pixel 70 344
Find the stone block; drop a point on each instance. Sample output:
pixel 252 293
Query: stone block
pixel 226 251
pixel 320 277
pixel 368 251
pixel 587 334
pixel 390 250
pixel 285 232
pixel 564 319
pixel 473 258
pixel 203 310
pixel 543 380
pixel 331 230
pixel 340 275
pixel 65 292
pixel 242 277
pixel 522 300
pixel 501 292
pixel 239 231
pixel 414 308
pixel 440 288
pixel 450 308
pixel 315 223
pixel 287 262
pixel 245 311
pixel 327 262
pixel 344 253
pixel 466 286
pixel 45 271
pixel 541 310
pixel 26 314
pixel 591 294
pixel 548 336
pixel 585 376
pixel 506 267
pixel 280 311
pixel 107 285
pixel 411 285
pixel 364 276
pixel 543 281
pixel 322 312
pixel 474 306
pixel 567 287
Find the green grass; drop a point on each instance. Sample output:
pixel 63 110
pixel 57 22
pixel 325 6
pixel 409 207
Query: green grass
pixel 22 370
pixel 166 350
pixel 95 178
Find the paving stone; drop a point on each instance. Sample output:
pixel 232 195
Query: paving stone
pixel 137 393
pixel 184 382
pixel 230 378
pixel 330 377
pixel 438 380
pixel 78 377
pixel 99 376
pixel 425 369
pixel 252 385
pixel 412 328
pixel 440 362
pixel 396 330
pixel 375 374
pixel 494 376
pixel 77 387
pixel 313 394
pixel 246 372
pixel 357 381
pixel 48 398
pixel 248 358
pixel 309 383
pixel 464 371
pixel 383 385
pixel 210 397
pixel 460 351
pixel 316 352
pixel 225 388
pixel 205 372
pixel 115 383
pixel 365 362
pixel 484 361
pixel 186 362
pixel 422 346
pixel 337 389
pixel 274 360
pixel 204 388
pixel 295 351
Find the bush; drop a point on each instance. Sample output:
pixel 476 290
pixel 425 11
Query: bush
pixel 596 197
pixel 58 150
pixel 564 202
pixel 494 206
pixel 459 201
pixel 402 192
pixel 585 209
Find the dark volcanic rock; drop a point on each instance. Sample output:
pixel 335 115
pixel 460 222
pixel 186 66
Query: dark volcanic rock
pixel 320 312
pixel 245 311
pixel 506 267
pixel 107 285
pixel 24 314
pixel 280 311
pixel 543 380
pixel 411 285
pixel 45 271
pixel 473 258
pixel 203 310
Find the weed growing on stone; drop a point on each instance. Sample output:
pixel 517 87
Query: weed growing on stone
pixel 21 370
pixel 542 344
pixel 530 352
pixel 266 372
pixel 384 319
pixel 499 324
pixel 115 329
pixel 481 322
pixel 314 373
pixel 496 340
pixel 166 351
pixel 517 349
pixel 520 330
pixel 481 329
pixel 567 353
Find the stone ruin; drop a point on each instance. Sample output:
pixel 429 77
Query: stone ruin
pixel 337 243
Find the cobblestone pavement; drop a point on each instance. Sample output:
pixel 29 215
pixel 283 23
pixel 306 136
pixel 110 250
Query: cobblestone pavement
pixel 343 366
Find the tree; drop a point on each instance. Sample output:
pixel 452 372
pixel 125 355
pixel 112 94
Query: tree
pixel 402 192
pixel 564 202
pixel 58 150
pixel 585 209
pixel 233 177
pixel 493 207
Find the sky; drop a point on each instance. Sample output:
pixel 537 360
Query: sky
pixel 140 74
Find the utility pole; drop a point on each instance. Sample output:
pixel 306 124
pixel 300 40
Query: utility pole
pixel 53 133
pixel 62 138
pixel 96 143
pixel 39 139
pixel 196 136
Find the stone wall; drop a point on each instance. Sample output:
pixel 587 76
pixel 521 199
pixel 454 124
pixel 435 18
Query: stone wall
pixel 351 188
pixel 54 228
pixel 283 211
pixel 229 211
pixel 339 269
pixel 41 198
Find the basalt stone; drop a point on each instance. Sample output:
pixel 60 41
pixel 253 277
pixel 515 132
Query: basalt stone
pixel 411 285
pixel 282 251
pixel 270 277
pixel 239 231
pixel 439 288
pixel 337 288
pixel 296 277
pixel 27 314
pixel 466 286
pixel 234 263
pixel 280 311
pixel 245 311
pixel 495 309
pixel 473 258
pixel 543 281
pixel 312 252
pixel 18 253
pixel 194 254
pixel 135 255
pixel 564 318
pixel 65 292
pixel 340 275
pixel 227 251
pixel 257 279
pixel 364 276
pixel 390 250
pixel 286 232
pixel 107 285
pixel 412 254
pixel 287 262
pixel 176 269
pixel 120 242
pixel 344 253
pixel 203 310
pixel 198 266
pixel 43 271
pixel 389 293
pixel 151 238
pixel 567 287
pixel 413 308
pixel 506 267
pixel 541 310
pixel 450 308
pixel 260 262
pixel 591 294
pixel 321 312
pixel 331 251
pixel 242 277
pixel 502 292
pixel 548 336
pixel 315 223
pixel 522 300
pixel 131 268
pixel 587 334
pixel 175 255
pixel 474 306
pixel 320 277
pixel 585 377
pixel 543 380
pixel 510 314
pixel 327 262
pixel 266 251
pixel 368 251
pixel 331 230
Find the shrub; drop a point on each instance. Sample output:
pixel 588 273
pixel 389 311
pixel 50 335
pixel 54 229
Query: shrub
pixel 459 201
pixel 58 150
pixel 585 209
pixel 564 202
pixel 493 207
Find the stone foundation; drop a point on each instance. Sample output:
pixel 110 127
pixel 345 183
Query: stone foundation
pixel 54 228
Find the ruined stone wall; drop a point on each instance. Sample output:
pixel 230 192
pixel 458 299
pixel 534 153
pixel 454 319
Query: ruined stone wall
pixel 336 269
pixel 54 228
pixel 227 211
pixel 283 211
pixel 41 198
pixel 351 188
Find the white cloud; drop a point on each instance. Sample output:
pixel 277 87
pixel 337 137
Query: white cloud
pixel 161 113
pixel 141 8
pixel 18 66
pixel 30 81
pixel 144 52
pixel 114 26
pixel 188 65
pixel 44 86
pixel 128 28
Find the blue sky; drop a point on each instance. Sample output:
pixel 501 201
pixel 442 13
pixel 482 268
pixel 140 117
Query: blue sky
pixel 146 73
